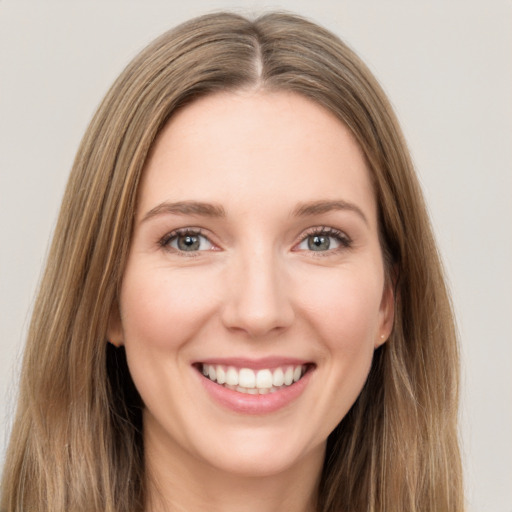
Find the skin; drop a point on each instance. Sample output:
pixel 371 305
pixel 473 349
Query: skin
pixel 254 289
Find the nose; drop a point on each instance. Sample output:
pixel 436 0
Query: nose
pixel 258 295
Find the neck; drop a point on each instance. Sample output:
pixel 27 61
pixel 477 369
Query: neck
pixel 179 482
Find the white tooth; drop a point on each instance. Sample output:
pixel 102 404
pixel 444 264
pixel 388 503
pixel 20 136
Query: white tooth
pixel 288 375
pixel 264 391
pixel 232 377
pixel 252 391
pixel 205 370
pixel 212 373
pixel 246 378
pixel 278 377
pixel 241 389
pixel 264 379
pixel 273 389
pixel 230 387
pixel 297 373
pixel 221 375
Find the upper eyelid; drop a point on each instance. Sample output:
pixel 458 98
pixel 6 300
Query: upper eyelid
pixel 326 230
pixel 184 231
pixel 323 229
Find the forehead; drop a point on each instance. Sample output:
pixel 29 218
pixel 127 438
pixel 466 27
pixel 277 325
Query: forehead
pixel 248 146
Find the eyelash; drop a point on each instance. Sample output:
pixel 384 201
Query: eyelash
pixel 324 231
pixel 169 237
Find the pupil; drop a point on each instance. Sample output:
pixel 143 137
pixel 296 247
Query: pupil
pixel 188 243
pixel 319 243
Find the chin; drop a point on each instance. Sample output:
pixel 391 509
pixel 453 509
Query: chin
pixel 254 454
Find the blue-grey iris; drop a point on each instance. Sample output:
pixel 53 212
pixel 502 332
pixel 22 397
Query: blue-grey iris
pixel 319 243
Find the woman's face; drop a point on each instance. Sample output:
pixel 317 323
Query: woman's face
pixel 255 259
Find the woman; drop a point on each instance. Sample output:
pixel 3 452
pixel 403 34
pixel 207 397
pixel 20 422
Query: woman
pixel 243 304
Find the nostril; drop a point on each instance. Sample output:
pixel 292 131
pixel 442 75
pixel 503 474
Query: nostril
pixel 257 319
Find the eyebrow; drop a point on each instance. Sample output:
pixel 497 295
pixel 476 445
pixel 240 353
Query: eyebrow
pixel 186 208
pixel 217 211
pixel 320 207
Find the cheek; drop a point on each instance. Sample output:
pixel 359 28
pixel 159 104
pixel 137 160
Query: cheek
pixel 345 308
pixel 162 310
pixel 161 313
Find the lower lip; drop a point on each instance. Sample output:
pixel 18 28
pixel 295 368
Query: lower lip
pixel 245 403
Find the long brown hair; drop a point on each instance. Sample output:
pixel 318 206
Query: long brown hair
pixel 76 443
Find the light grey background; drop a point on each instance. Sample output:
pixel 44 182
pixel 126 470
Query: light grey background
pixel 447 66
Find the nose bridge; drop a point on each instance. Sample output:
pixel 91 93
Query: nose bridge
pixel 258 301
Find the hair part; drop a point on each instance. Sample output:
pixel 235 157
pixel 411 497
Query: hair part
pixel 77 442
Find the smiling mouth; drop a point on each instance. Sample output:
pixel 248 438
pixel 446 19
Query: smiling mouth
pixel 254 382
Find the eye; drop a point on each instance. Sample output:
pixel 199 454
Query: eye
pixel 187 240
pixel 323 239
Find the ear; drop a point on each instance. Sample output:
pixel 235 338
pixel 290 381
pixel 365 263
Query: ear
pixel 386 313
pixel 115 326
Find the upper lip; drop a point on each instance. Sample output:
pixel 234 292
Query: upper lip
pixel 254 364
